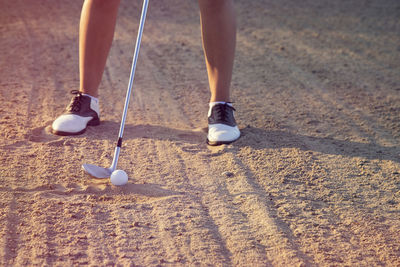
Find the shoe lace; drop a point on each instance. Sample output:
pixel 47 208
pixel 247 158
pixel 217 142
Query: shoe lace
pixel 75 104
pixel 222 111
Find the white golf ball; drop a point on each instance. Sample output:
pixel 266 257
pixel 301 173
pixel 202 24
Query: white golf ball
pixel 119 177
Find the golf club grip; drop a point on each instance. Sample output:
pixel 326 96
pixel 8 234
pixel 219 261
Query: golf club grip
pixel 119 143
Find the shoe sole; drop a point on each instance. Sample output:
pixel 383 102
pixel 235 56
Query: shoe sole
pixel 218 143
pixel 93 122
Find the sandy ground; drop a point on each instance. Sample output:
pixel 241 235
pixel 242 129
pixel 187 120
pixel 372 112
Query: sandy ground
pixel 314 180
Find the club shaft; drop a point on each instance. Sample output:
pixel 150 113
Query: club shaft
pixel 131 78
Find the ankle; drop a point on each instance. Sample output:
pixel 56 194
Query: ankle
pixel 212 104
pixel 92 97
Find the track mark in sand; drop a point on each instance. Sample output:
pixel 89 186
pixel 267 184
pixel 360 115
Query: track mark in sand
pixel 273 233
pixel 102 237
pixel 301 194
pixel 35 61
pixel 314 90
pixel 168 109
pixel 107 130
pixel 185 228
pixel 112 102
pixel 187 234
pixel 53 241
pixel 132 241
pixel 14 145
pixel 228 223
pixel 191 148
pixel 150 191
pixel 362 127
pixel 259 138
pixel 45 50
pixel 247 226
pixel 11 238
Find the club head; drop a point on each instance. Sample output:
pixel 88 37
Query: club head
pixel 96 171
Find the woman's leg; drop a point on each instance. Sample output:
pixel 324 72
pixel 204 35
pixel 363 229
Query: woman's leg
pixel 218 28
pixel 96 32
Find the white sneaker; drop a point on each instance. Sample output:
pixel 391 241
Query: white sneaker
pixel 81 112
pixel 222 128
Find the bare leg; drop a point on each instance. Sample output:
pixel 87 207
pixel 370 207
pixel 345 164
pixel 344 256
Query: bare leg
pixel 218 26
pixel 96 32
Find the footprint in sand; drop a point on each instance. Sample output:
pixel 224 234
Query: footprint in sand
pixel 42 134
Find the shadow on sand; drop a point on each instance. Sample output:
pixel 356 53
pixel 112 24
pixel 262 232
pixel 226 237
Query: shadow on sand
pixel 261 138
pixel 251 137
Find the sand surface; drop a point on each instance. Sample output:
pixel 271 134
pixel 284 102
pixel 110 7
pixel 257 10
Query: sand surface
pixel 314 180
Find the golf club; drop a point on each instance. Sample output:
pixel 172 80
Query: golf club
pixel 101 172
